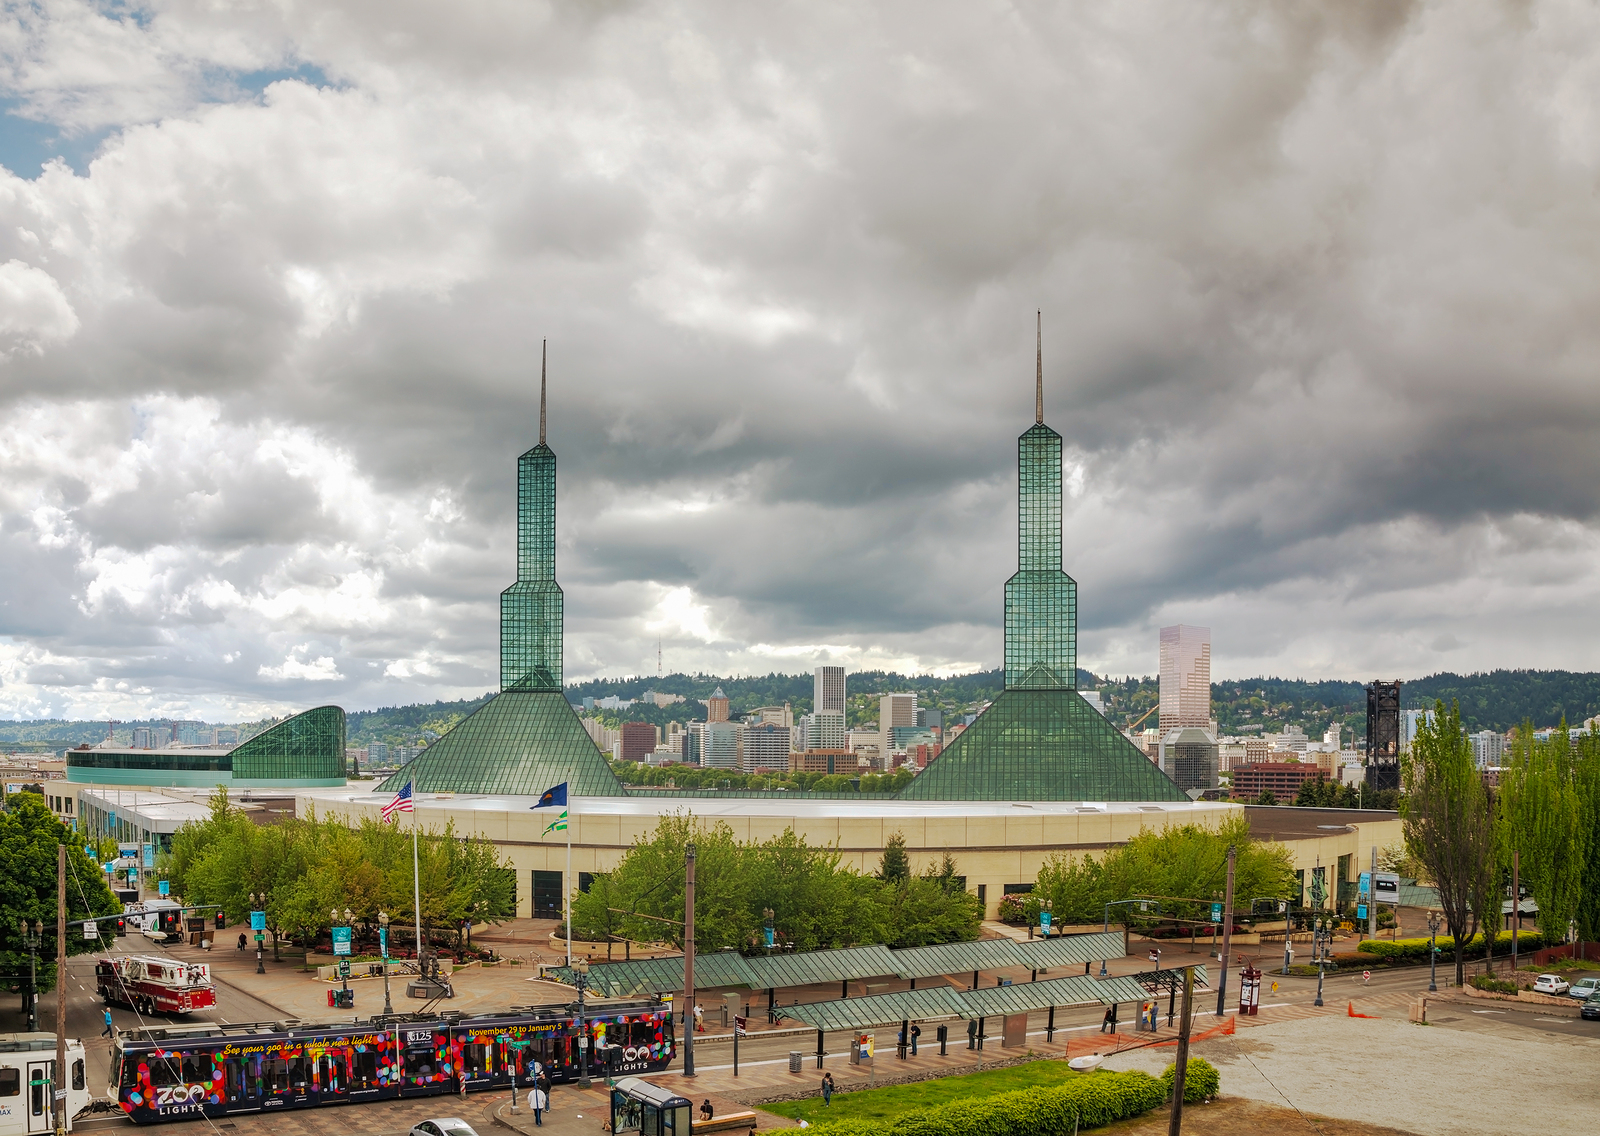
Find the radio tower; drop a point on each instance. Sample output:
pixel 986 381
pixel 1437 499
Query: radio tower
pixel 658 656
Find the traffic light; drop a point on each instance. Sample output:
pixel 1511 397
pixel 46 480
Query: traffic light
pixel 171 922
pixel 222 920
pixel 122 925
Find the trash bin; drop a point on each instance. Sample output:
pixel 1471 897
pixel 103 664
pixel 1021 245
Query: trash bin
pixel 795 1057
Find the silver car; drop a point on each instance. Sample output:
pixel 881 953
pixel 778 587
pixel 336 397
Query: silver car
pixel 1585 988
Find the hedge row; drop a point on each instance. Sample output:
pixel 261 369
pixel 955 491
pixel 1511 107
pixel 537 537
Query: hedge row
pixel 1416 950
pixel 1201 1081
pixel 1089 1101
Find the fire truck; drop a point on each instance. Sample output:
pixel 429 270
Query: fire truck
pixel 155 985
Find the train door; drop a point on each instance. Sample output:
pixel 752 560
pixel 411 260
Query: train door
pixel 419 1063
pixel 331 1076
pixel 39 1083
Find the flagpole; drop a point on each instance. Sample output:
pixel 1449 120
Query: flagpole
pixel 571 798
pixel 416 876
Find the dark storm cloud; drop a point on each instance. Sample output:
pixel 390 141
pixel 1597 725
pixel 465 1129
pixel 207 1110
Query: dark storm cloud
pixel 1319 297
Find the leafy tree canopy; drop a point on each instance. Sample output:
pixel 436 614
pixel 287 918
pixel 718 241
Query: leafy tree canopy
pixel 29 837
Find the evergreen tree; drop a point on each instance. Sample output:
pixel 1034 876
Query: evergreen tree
pixel 895 865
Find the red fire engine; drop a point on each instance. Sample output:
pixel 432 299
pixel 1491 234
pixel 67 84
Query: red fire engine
pixel 155 985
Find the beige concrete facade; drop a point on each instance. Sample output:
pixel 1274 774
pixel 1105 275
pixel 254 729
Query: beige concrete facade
pixel 994 843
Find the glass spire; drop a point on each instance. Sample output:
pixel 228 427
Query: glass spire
pixel 1041 599
pixel 531 609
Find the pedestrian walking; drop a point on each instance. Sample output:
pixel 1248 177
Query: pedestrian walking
pixel 110 1030
pixel 542 1082
pixel 699 1024
pixel 916 1032
pixel 241 940
pixel 540 1101
pixel 827 1089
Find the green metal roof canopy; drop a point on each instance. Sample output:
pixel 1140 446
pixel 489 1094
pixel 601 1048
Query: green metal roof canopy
pixel 958 958
pixel 1071 950
pixel 1025 997
pixel 878 1009
pixel 807 967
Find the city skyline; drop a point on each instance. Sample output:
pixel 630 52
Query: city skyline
pixel 261 416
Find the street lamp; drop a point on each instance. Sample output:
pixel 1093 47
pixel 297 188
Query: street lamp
pixel 580 979
pixel 1317 941
pixel 1433 951
pixel 383 949
pixel 31 930
pixel 257 904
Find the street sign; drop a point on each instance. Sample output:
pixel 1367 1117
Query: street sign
pixel 166 888
pixel 740 1025
pixel 90 931
pixel 344 968
pixel 1386 888
pixel 1216 913
pixel 341 940
pixel 258 921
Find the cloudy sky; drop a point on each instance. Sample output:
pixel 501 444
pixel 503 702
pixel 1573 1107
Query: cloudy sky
pixel 1321 295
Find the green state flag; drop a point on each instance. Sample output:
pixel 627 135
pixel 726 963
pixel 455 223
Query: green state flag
pixel 557 825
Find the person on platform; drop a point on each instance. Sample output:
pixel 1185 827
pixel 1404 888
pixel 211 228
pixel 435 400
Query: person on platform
pixel 916 1032
pixel 706 1111
pixel 539 1101
pixel 827 1089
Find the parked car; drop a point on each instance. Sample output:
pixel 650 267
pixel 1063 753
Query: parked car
pixel 1585 988
pixel 1549 984
pixel 1590 1010
pixel 443 1126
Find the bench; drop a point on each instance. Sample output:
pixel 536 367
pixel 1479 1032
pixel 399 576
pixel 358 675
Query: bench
pixel 726 1122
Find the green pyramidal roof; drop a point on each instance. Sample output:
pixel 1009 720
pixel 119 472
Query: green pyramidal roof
pixel 519 743
pixel 1042 745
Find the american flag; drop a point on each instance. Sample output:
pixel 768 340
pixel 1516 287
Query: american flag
pixel 400 804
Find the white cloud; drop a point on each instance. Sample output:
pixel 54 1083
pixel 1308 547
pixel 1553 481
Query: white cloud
pixel 1320 333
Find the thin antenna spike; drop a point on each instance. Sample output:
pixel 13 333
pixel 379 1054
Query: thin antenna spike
pixel 544 355
pixel 1038 363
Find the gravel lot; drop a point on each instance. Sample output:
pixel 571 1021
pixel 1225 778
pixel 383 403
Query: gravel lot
pixel 1430 1080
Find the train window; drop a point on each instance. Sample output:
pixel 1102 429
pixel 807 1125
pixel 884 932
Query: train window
pixel 163 1071
pixel 10 1082
pixel 77 1074
pixel 297 1073
pixel 191 1070
pixel 366 1067
pixel 277 1075
pixel 643 1032
pixel 231 1073
pixel 37 1097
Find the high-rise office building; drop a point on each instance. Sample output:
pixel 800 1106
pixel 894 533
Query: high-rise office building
pixel 638 740
pixel 717 706
pixel 827 689
pixel 721 745
pixel 825 729
pixel 766 748
pixel 1185 677
pixel 894 710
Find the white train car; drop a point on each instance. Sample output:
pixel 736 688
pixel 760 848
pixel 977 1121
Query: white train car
pixel 27 1078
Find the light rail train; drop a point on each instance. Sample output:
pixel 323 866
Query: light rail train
pixel 182 1072
pixel 27 1076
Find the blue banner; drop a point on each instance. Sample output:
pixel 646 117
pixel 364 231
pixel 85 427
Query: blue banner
pixel 258 921
pixel 166 888
pixel 149 855
pixel 341 940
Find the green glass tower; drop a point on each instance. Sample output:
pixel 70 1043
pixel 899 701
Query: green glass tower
pixel 1041 599
pixel 531 609
pixel 1040 741
pixel 527 738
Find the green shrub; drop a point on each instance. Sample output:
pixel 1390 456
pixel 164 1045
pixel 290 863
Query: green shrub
pixel 1493 985
pixel 1090 1101
pixel 1201 1081
pixel 1416 950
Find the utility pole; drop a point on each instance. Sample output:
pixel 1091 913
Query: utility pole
pixel 1227 947
pixel 59 1081
pixel 1179 1073
pixel 688 961
pixel 1372 896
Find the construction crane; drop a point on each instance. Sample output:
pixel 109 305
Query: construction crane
pixel 1143 716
